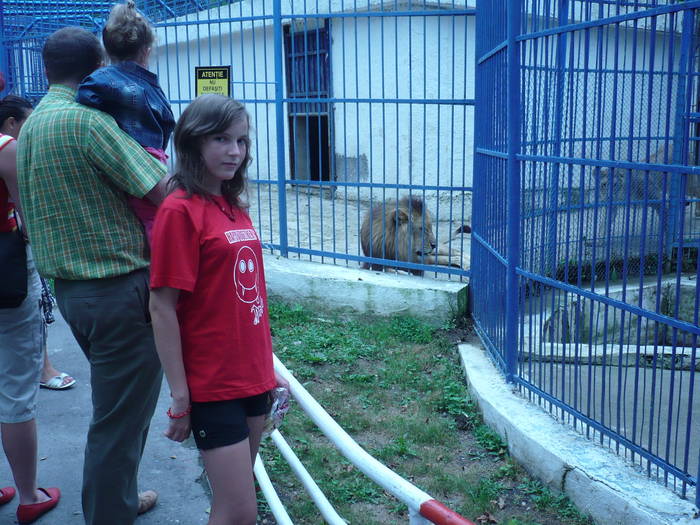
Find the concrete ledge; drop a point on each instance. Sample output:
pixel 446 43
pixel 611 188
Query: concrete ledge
pixel 596 480
pixel 326 286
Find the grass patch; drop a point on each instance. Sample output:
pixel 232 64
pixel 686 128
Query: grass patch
pixel 396 385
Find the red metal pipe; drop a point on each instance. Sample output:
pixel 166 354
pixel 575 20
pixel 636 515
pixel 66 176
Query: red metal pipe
pixel 442 515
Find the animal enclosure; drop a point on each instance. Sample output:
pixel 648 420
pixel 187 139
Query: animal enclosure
pixel 351 104
pixel 586 221
pixel 564 132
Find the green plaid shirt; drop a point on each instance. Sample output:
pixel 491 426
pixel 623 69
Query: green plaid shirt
pixel 75 167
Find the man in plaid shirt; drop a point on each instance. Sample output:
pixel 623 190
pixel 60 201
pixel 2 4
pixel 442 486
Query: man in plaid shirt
pixel 76 168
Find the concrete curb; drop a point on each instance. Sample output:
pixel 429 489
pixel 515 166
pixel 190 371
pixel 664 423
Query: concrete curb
pixel 597 481
pixel 325 286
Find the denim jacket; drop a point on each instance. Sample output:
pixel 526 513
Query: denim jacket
pixel 131 94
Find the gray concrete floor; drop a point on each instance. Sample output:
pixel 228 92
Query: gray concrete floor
pixel 170 468
pixel 622 400
pixel 319 220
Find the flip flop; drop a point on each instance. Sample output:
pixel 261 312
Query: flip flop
pixel 58 382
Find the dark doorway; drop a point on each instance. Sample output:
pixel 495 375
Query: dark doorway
pixel 309 147
pixel 307 52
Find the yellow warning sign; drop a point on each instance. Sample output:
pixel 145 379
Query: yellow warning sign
pixel 213 79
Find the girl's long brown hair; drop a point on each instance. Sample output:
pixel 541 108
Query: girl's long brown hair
pixel 208 115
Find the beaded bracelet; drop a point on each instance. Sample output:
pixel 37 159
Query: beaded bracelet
pixel 180 415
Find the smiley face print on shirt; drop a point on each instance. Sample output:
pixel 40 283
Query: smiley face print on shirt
pixel 246 272
pixel 246 276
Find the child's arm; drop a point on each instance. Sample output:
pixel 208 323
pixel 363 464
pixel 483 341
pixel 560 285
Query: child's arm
pixel 96 93
pixel 168 345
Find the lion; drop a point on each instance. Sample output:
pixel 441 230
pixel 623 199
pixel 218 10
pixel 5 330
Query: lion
pixel 653 187
pixel 402 232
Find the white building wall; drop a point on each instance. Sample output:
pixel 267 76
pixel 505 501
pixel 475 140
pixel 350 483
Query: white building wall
pixel 427 59
pixel 371 58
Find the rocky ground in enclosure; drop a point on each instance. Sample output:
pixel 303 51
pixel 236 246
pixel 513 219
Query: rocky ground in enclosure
pixel 330 222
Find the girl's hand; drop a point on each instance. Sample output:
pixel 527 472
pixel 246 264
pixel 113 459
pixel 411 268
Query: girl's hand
pixel 281 381
pixel 179 429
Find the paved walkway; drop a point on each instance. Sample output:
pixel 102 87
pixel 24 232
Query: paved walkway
pixel 170 468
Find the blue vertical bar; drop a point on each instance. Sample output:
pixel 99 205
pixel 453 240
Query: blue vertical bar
pixel 551 251
pixel 3 53
pixel 677 209
pixel 679 197
pixel 513 190
pixel 279 114
pixel 553 234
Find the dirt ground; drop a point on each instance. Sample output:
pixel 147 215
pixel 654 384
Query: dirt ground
pixel 323 221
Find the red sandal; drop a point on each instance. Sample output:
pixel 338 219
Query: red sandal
pixel 33 511
pixel 6 495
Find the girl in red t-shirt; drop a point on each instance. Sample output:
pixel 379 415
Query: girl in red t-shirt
pixel 209 304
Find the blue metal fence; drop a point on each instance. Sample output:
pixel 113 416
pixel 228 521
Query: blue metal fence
pixel 587 221
pixel 353 104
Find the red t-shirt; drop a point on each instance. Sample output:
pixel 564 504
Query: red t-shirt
pixel 215 258
pixel 7 219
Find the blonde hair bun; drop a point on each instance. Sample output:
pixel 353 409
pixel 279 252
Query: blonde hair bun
pixel 127 34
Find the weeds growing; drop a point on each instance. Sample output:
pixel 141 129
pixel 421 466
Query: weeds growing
pixel 396 386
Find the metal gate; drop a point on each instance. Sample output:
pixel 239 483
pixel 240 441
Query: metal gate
pixel 353 105
pixel 586 220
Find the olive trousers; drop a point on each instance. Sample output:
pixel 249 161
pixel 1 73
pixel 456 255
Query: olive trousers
pixel 109 318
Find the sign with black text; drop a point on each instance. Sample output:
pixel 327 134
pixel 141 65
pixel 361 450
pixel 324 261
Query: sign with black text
pixel 213 79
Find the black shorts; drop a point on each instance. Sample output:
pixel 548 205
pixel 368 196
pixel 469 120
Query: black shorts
pixel 220 423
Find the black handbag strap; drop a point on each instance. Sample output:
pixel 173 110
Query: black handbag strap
pixel 20 231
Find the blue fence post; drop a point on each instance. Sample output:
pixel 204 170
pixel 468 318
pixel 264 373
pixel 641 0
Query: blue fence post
pixel 549 266
pixel 681 156
pixel 4 69
pixel 680 133
pixel 279 117
pixel 513 190
pixel 697 487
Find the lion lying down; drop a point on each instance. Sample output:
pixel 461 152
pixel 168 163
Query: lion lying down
pixel 404 232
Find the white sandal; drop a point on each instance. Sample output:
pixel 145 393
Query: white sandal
pixel 58 382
